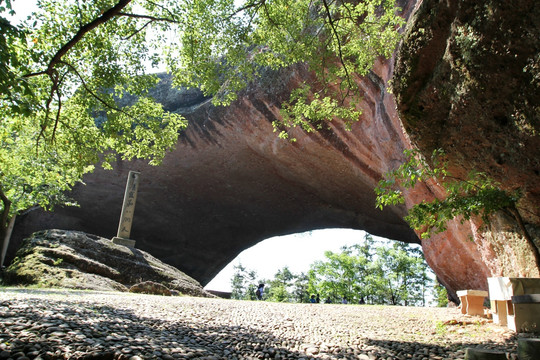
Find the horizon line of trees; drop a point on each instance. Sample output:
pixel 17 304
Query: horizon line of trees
pixel 371 272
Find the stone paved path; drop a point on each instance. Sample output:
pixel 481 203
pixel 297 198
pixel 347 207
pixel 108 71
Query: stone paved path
pixel 48 324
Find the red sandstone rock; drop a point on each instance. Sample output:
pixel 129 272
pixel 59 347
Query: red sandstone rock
pixel 231 182
pixel 465 82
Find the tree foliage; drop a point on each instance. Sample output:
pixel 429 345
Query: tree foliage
pixel 63 79
pixel 243 283
pixel 65 71
pixel 280 288
pixel 341 275
pixel 402 274
pixel 441 295
pixel 337 40
pixel 373 272
pixel 477 195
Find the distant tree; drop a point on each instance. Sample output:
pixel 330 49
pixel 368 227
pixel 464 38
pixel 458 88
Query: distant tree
pixel 403 274
pixel 372 271
pixel 341 275
pixel 243 283
pixel 441 295
pixel 326 280
pixel 300 288
pixel 280 285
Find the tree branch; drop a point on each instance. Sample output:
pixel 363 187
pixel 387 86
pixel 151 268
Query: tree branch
pixel 255 4
pixel 138 30
pixel 336 35
pixel 5 212
pixel 91 92
pixel 147 17
pixel 106 16
pixel 58 112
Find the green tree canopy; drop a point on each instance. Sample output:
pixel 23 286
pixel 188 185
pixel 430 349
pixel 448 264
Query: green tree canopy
pixel 402 274
pixel 375 272
pixel 243 283
pixel 280 287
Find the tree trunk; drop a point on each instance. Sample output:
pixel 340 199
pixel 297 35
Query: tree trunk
pixel 514 211
pixel 6 235
pixel 4 221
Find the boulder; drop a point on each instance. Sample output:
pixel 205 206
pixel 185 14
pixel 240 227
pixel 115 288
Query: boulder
pixel 150 287
pixel 73 259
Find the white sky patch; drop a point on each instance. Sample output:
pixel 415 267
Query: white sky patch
pixel 296 251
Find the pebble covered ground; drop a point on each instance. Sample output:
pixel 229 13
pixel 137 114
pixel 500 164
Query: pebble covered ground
pixel 61 324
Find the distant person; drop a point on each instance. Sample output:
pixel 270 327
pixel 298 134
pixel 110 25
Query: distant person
pixel 328 301
pixel 318 299
pixel 362 302
pixel 259 292
pixel 312 299
pixel 344 301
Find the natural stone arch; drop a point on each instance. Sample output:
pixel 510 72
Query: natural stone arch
pixel 231 182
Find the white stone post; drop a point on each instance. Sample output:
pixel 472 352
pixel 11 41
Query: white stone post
pixel 128 209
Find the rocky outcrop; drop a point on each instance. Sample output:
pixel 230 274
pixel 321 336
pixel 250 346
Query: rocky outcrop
pixel 73 259
pixel 231 182
pixel 467 81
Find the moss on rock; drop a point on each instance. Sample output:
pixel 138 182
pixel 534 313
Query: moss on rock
pixel 72 259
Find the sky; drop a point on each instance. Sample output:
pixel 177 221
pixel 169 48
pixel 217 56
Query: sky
pixel 297 251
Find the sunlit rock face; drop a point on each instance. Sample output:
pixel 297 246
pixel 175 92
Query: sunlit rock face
pixel 467 81
pixel 231 182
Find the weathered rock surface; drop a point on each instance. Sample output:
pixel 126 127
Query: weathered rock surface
pixel 73 259
pixel 231 182
pixel 466 81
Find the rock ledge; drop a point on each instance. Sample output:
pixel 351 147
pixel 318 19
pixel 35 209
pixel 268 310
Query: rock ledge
pixel 76 260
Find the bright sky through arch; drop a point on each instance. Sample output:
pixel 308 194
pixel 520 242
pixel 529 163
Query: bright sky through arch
pixel 297 251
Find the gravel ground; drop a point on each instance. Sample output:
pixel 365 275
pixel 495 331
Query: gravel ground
pixel 58 324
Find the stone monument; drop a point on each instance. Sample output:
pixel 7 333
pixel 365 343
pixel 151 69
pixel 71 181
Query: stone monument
pixel 128 209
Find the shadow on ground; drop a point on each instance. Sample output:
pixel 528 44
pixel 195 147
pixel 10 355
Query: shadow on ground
pixel 55 329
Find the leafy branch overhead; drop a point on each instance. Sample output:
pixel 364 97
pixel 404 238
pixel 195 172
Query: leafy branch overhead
pixel 339 41
pixel 477 195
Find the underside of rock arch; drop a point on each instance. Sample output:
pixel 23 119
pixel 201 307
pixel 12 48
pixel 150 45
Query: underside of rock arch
pixel 231 182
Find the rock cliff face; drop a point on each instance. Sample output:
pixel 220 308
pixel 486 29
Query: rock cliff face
pixel 467 81
pixel 231 182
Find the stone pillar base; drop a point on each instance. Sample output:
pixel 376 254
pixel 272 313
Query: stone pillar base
pixel 122 241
